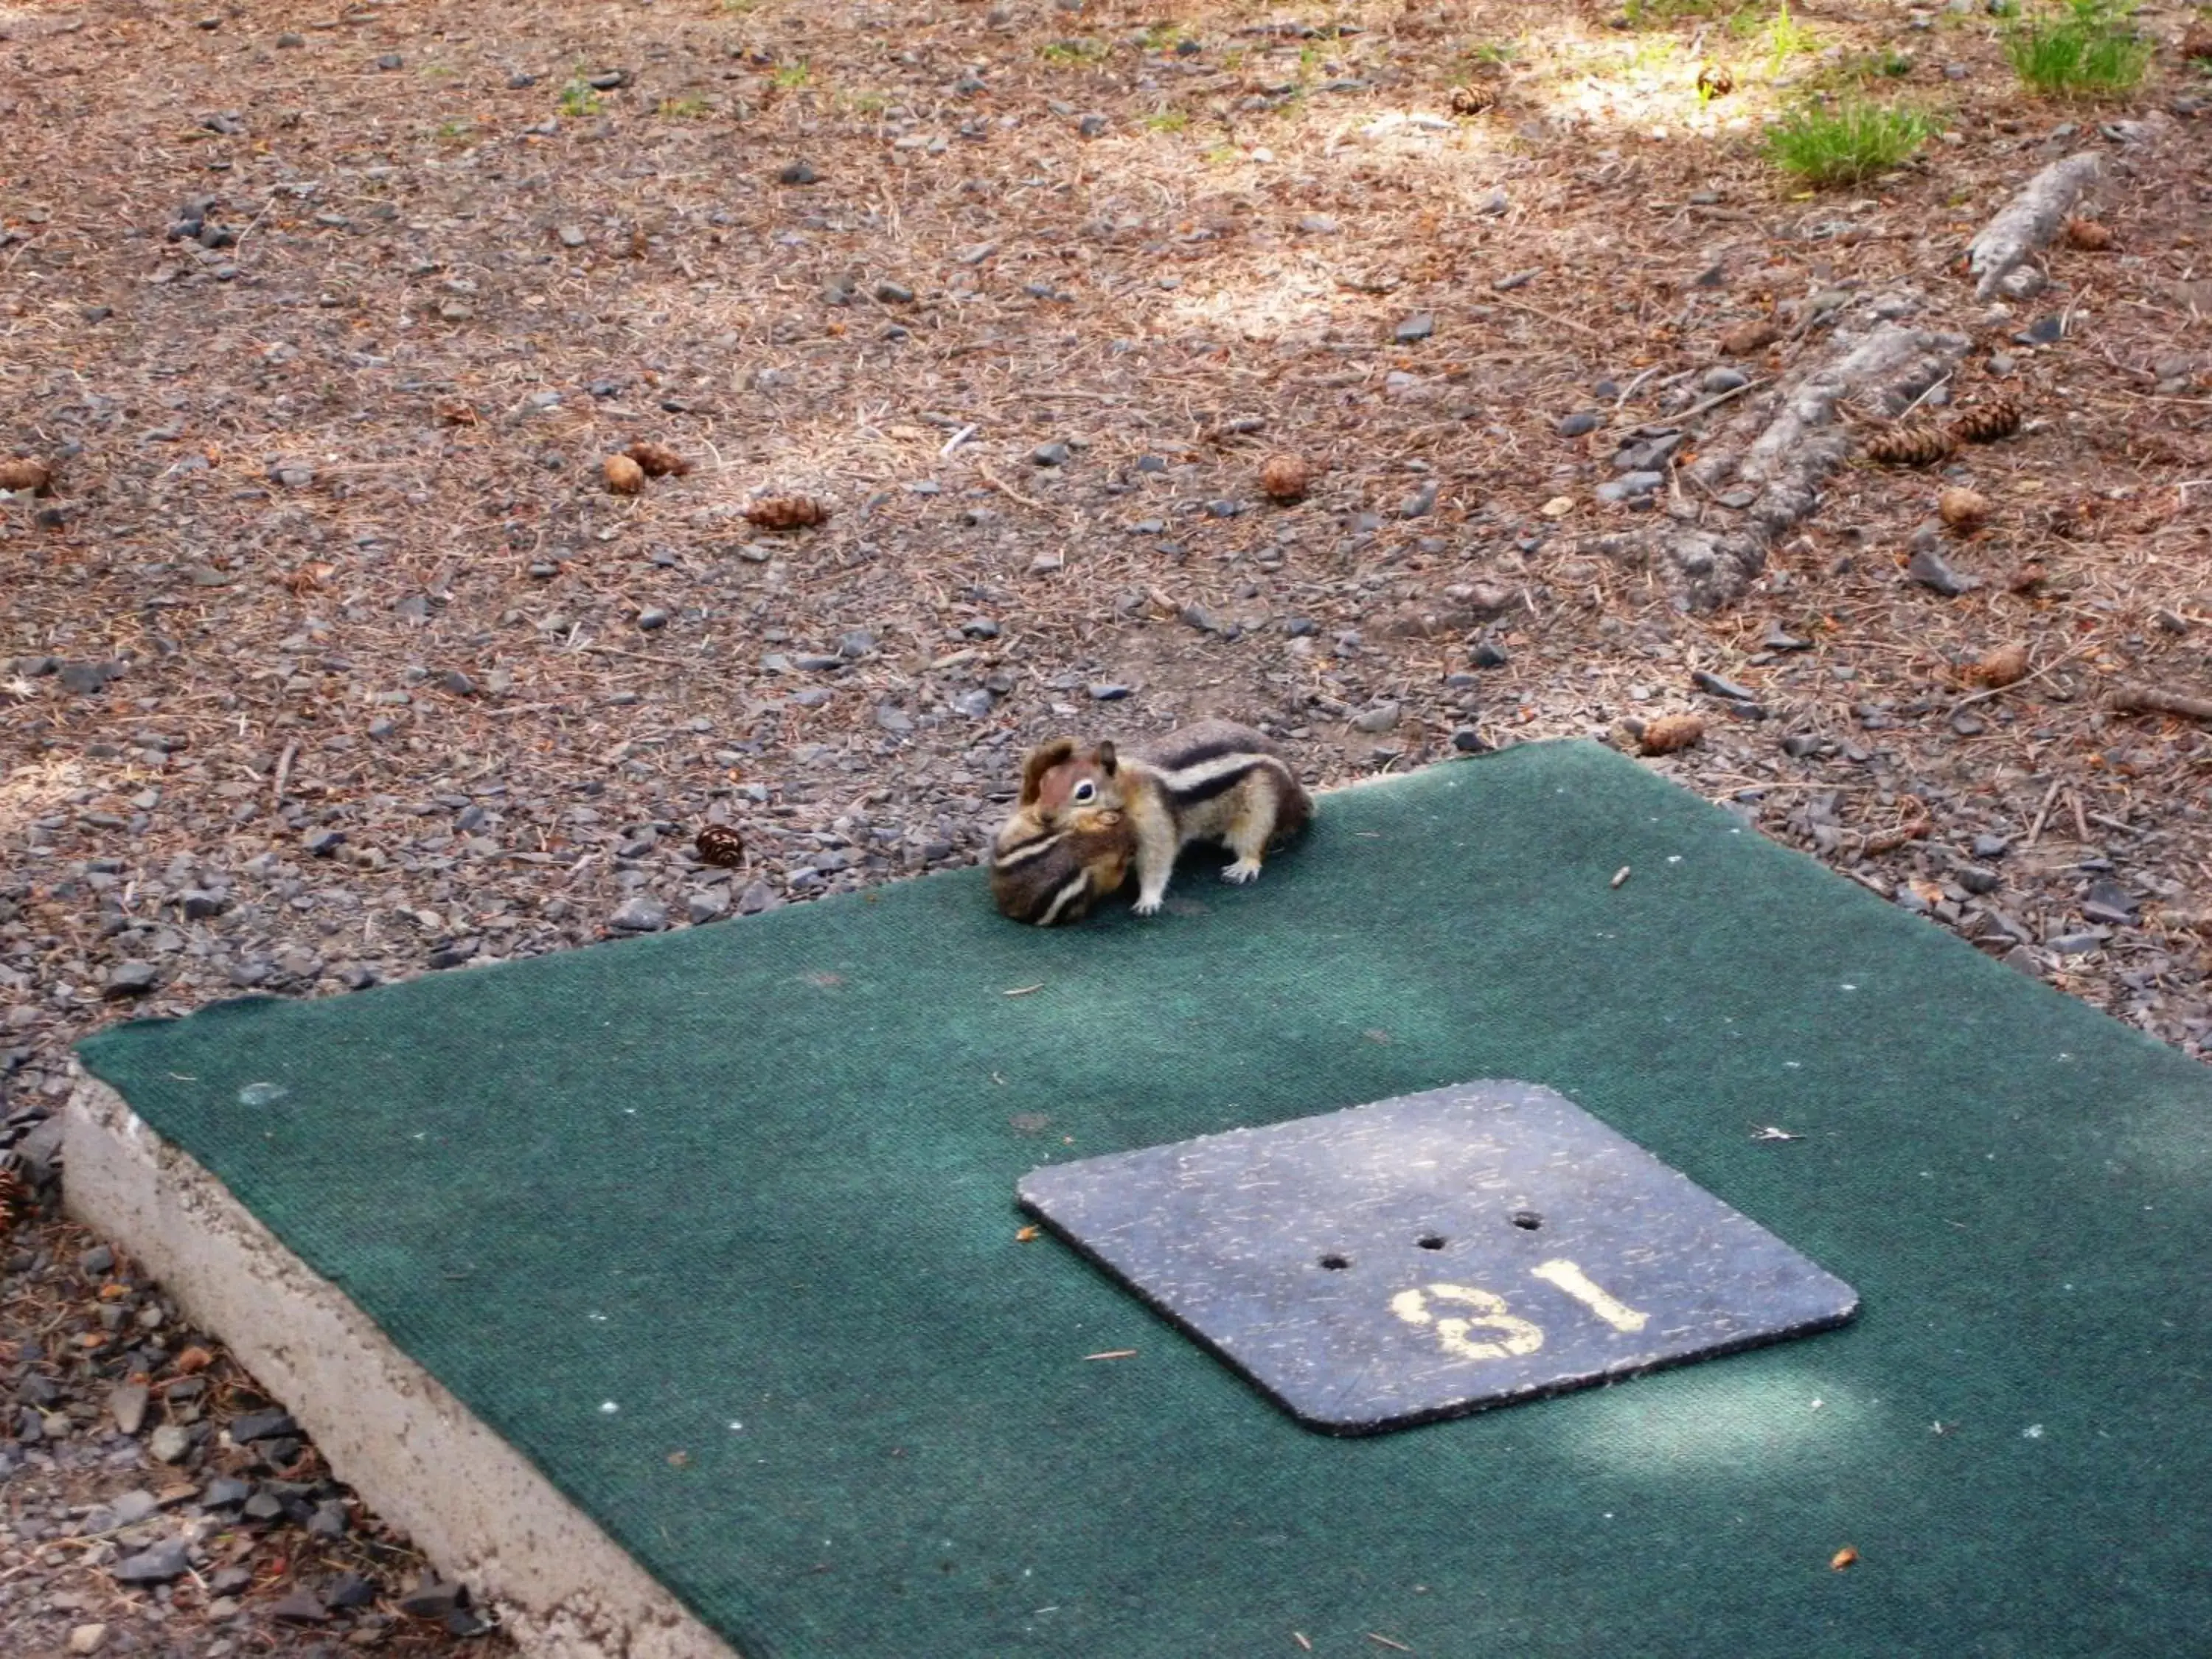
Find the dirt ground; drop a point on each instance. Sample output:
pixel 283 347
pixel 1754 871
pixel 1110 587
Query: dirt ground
pixel 329 658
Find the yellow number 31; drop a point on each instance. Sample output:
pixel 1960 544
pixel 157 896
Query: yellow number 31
pixel 1514 1335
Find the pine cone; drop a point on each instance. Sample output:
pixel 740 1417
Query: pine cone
pixel 658 460
pixel 1987 423
pixel 456 411
pixel 1714 80
pixel 1913 443
pixel 1747 338
pixel 2088 235
pixel 785 512
pixel 15 1200
pixel 719 844
pixel 1284 477
pixel 1472 100
pixel 1670 732
pixel 2006 665
pixel 1963 510
pixel 624 476
pixel 26 474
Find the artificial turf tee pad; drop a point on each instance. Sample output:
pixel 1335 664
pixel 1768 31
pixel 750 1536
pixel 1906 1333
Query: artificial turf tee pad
pixel 747 1193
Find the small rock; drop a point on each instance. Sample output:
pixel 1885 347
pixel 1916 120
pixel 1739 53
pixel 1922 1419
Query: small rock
pixel 86 1639
pixel 1487 655
pixel 1724 380
pixel 130 979
pixel 131 1507
pixel 96 1262
pixel 757 898
pixel 126 1402
pixel 1929 569
pixel 1468 741
pixel 230 1581
pixel 261 1426
pixel 2075 945
pixel 975 705
pixel 322 843
pixel 1092 126
pixel 893 293
pixel 168 1443
pixel 652 617
pixel 1574 425
pixel 893 719
pixel 1049 455
pixel 642 914
pixel 1514 279
pixel 1718 687
pixel 390 60
pixel 329 1520
pixel 1418 326
pixel 706 904
pixel 302 1606
pixel 348 1591
pixel 158 1566
pixel 1419 504
pixel 2109 904
pixel 1630 486
pixel 1991 847
pixel 1977 879
pixel 431 1599
pixel 1111 692
pixel 1380 718
pixel 224 1494
pixel 797 172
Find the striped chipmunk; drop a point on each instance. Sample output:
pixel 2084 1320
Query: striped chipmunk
pixel 1086 815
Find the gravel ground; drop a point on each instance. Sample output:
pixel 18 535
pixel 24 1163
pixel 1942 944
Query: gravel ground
pixel 331 659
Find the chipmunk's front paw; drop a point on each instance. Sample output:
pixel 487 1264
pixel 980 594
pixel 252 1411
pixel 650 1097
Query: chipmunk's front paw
pixel 1242 870
pixel 1149 906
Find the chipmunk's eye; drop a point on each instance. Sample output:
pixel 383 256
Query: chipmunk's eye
pixel 1083 791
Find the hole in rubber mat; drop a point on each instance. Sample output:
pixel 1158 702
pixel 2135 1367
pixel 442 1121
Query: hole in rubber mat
pixel 1640 1268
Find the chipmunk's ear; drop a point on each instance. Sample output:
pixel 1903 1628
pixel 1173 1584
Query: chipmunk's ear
pixel 1040 760
pixel 1106 757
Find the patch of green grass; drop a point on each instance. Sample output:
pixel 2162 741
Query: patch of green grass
pixel 865 103
pixel 452 132
pixel 1860 69
pixel 1493 51
pixel 1224 155
pixel 1165 37
pixel 686 109
pixel 1073 53
pixel 1656 14
pixel 1847 144
pixel 1169 120
pixel 577 99
pixel 789 77
pixel 2088 48
pixel 1786 38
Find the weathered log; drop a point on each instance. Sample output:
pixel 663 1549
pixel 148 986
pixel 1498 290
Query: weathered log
pixel 2030 220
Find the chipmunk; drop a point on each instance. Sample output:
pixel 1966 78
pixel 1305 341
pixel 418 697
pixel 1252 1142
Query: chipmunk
pixel 1211 782
pixel 1045 872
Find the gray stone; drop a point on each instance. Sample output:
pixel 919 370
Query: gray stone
pixel 1724 380
pixel 652 619
pixel 758 897
pixel 893 720
pixel 127 1403
pixel 706 904
pixel 2075 945
pixel 855 643
pixel 302 1606
pixel 893 293
pixel 2109 903
pixel 975 704
pixel 1991 847
pixel 1092 126
pixel 642 914
pixel 1930 569
pixel 1630 485
pixel 165 1561
pixel 131 979
pixel 1574 425
pixel 1109 691
pixel 1380 718
pixel 1049 455
pixel 322 843
pixel 329 1520
pixel 1418 326
pixel 1488 654
pixel 224 1494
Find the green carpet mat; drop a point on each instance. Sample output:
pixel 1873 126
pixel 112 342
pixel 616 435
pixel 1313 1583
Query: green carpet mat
pixel 762 1175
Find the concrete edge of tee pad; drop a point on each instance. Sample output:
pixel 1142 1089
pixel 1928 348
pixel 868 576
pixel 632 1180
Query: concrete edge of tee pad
pixel 420 1459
